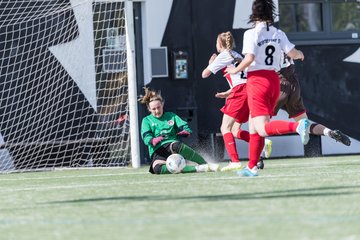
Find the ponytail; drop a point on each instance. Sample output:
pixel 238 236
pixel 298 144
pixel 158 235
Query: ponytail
pixel 149 96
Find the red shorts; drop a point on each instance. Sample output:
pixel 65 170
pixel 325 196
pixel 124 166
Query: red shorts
pixel 263 89
pixel 236 105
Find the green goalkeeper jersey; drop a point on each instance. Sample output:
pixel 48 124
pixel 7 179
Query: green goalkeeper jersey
pixel 168 125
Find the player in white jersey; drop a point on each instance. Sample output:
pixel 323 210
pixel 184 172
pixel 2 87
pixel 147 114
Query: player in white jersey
pixel 262 47
pixel 236 110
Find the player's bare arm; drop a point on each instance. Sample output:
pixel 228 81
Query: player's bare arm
pixel 296 54
pixel 206 72
pixel 212 58
pixel 248 59
pixel 223 94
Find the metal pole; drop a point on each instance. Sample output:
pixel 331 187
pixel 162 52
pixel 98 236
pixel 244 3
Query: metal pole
pixel 133 110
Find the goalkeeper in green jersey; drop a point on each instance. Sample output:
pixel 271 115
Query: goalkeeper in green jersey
pixel 161 132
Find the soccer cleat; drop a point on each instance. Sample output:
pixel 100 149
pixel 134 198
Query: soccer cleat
pixel 267 148
pixel 214 167
pixel 303 130
pixel 260 164
pixel 202 168
pixel 232 166
pixel 246 172
pixel 340 137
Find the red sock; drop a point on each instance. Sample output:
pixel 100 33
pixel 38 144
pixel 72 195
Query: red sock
pixel 280 127
pixel 230 146
pixel 256 144
pixel 243 135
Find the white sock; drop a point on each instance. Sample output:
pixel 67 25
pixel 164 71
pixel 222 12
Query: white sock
pixel 253 170
pixel 326 131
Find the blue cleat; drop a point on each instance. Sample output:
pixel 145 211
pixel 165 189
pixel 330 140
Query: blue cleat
pixel 246 172
pixel 303 130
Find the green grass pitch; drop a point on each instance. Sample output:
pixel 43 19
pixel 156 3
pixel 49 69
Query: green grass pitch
pixel 302 198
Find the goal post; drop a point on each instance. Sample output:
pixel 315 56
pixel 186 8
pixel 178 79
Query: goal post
pixel 67 85
pixel 130 49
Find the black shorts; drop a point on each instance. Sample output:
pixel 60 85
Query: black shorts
pixel 290 98
pixel 161 153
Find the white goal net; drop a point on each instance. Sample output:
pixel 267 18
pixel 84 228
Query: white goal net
pixel 63 85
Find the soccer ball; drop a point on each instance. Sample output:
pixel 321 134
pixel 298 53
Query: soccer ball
pixel 175 163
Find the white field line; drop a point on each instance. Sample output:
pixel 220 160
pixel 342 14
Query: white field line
pixel 113 183
pixel 73 176
pixel 271 164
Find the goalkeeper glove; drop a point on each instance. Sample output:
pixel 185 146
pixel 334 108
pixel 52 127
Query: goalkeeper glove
pixel 156 140
pixel 183 133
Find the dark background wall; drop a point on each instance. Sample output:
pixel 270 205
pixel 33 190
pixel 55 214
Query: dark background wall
pixel 331 87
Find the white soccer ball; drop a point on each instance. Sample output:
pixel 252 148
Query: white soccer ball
pixel 175 163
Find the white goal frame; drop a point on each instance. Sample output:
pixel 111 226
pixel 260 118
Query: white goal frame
pixel 69 85
pixel 133 110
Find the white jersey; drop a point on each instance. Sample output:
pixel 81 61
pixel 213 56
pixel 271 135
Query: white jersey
pixel 285 61
pixel 223 60
pixel 267 46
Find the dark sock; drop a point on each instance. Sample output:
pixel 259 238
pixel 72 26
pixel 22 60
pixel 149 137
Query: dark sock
pixel 317 129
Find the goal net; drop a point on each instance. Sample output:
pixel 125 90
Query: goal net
pixel 63 84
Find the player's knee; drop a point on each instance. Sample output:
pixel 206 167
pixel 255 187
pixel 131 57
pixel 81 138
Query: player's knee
pixel 225 129
pixel 157 168
pixel 261 131
pixel 234 132
pixel 263 134
pixel 175 147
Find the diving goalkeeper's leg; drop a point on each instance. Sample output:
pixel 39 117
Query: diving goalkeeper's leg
pixel 162 169
pixel 187 152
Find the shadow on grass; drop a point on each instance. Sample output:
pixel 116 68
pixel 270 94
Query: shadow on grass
pixel 291 193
